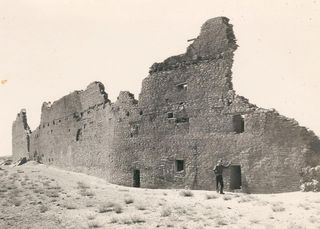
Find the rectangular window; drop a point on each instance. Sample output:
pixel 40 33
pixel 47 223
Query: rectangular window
pixel 238 124
pixel 182 120
pixel 179 165
pixel 170 115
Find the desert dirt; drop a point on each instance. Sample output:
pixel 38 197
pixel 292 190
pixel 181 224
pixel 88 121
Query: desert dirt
pixel 39 196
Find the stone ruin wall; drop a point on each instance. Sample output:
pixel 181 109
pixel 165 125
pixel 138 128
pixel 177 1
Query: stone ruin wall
pixel 20 136
pixel 187 110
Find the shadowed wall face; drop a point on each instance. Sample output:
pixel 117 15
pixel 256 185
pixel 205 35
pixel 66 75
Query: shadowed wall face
pixel 187 117
pixel 20 136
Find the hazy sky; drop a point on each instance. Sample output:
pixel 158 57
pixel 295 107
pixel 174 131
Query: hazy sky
pixel 49 48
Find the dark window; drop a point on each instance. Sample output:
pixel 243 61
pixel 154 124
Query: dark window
pixel 53 122
pixel 141 112
pixel 59 120
pixel 51 131
pixel 170 115
pixel 179 165
pixel 183 86
pixel 48 124
pixel 182 120
pixel 78 135
pixel 238 124
pixel 127 113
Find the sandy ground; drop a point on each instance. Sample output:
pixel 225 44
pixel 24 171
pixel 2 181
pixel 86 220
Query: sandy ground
pixel 39 196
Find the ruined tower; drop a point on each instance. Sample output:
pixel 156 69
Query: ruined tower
pixel 186 118
pixel 20 136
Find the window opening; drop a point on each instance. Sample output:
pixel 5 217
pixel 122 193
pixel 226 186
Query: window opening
pixel 179 165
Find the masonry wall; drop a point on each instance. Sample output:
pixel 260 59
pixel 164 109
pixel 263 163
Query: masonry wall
pixel 20 136
pixel 187 110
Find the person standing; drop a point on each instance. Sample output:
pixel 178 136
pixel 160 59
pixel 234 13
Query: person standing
pixel 218 170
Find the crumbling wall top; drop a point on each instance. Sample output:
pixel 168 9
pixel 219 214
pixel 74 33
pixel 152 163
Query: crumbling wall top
pixel 216 39
pixel 126 97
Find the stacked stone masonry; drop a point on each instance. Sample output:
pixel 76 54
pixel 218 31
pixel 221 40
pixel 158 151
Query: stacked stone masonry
pixel 186 118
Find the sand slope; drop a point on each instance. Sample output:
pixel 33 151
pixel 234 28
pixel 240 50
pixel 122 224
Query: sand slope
pixel 39 196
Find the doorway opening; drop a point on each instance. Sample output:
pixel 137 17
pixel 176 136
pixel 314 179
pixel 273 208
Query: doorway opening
pixel 235 177
pixel 136 178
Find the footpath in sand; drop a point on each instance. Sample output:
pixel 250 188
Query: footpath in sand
pixel 40 196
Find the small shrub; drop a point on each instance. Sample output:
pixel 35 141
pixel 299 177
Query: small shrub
pixel 46 183
pixel 186 193
pixel 38 190
pixel 304 206
pixel 92 224
pixel 114 220
pixel 293 225
pixel 180 210
pixel 141 207
pixel 5 204
pixel 91 217
pixel 165 212
pixel 117 208
pixel 11 186
pixel 3 189
pixel 128 200
pixel 43 208
pixel 277 207
pixel 86 192
pixel 82 185
pixel 313 219
pixel 90 203
pixel 107 207
pixel 211 196
pixel 16 202
pixel 245 199
pixel 222 221
pixel 137 219
pixel 133 219
pixel 227 197
pixel 162 202
pixel 54 187
pixel 52 194
pixel 254 221
pixel 69 205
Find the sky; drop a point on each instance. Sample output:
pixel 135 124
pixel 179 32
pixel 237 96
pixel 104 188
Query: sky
pixel 49 48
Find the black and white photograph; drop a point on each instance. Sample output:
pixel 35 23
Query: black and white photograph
pixel 140 114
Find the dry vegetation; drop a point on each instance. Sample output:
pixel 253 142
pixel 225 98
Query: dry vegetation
pixel 37 196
